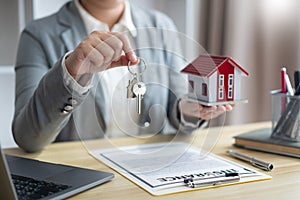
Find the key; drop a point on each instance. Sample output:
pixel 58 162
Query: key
pixel 139 89
pixel 130 93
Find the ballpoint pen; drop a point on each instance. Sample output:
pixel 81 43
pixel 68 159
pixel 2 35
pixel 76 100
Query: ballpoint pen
pixel 254 161
pixel 289 85
pixel 212 181
pixel 297 78
pixel 283 88
pixel 283 83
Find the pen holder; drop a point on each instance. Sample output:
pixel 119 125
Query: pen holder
pixel 286 117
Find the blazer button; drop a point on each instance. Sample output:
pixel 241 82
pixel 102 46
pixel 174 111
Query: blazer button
pixel 73 101
pixel 64 112
pixel 68 108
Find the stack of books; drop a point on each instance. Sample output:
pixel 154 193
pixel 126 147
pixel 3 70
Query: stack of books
pixel 261 140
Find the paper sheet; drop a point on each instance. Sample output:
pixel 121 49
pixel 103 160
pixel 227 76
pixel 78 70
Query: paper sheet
pixel 161 168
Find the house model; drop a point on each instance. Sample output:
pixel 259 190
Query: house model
pixel 215 80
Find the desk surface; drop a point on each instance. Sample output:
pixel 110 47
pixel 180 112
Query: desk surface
pixel 284 184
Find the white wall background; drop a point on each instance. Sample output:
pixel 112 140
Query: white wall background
pixel 9 30
pixel 7 90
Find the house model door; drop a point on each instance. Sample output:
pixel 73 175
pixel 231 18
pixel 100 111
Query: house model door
pixel 225 83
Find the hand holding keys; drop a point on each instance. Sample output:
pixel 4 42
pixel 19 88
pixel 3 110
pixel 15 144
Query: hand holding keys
pixel 136 88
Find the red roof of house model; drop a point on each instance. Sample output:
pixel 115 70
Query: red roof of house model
pixel 206 65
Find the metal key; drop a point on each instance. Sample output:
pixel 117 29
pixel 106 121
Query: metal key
pixel 130 93
pixel 139 89
pixel 136 88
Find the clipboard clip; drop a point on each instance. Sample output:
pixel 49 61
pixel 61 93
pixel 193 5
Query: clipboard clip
pixel 212 181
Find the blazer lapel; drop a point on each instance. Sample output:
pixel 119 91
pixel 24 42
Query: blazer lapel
pixel 73 34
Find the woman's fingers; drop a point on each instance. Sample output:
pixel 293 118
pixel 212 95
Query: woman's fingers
pixel 126 47
pixel 204 112
pixel 99 51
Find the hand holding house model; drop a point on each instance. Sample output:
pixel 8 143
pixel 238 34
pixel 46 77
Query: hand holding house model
pixel 215 80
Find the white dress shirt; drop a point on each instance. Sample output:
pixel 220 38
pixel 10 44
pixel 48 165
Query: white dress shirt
pixel 114 81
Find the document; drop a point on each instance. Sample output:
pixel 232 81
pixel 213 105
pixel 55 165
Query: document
pixel 162 168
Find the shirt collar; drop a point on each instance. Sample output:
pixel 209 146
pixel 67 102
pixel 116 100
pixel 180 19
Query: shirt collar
pixel 91 23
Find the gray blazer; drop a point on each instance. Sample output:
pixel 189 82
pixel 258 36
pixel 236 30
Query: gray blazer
pixel 41 115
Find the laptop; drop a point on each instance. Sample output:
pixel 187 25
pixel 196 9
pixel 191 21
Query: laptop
pixel 23 178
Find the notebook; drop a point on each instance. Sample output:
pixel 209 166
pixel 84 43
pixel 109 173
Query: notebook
pixel 23 178
pixel 261 140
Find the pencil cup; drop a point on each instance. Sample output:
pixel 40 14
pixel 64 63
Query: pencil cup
pixel 286 117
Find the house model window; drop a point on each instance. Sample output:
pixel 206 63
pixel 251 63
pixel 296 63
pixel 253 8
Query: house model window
pixel 191 86
pixel 230 85
pixel 215 79
pixel 221 86
pixel 204 89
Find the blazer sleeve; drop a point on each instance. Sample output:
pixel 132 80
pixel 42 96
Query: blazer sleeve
pixel 43 103
pixel 177 81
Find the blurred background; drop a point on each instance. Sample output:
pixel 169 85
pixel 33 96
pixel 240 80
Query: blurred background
pixel 261 35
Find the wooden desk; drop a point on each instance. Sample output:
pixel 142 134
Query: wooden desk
pixel 284 184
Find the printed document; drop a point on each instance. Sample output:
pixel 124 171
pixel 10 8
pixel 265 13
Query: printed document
pixel 161 168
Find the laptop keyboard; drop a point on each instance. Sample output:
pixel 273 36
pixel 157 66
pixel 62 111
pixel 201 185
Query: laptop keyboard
pixel 28 188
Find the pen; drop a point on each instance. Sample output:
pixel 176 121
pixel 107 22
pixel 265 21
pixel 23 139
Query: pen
pixel 254 161
pixel 283 83
pixel 297 92
pixel 297 78
pixel 289 85
pixel 213 181
pixel 283 88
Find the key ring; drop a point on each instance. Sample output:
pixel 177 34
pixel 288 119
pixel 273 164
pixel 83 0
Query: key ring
pixel 137 74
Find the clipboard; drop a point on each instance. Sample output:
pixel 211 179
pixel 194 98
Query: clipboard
pixel 168 167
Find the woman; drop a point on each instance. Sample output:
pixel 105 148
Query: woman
pixel 70 67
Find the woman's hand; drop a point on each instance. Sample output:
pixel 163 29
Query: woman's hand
pixel 194 109
pixel 99 51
